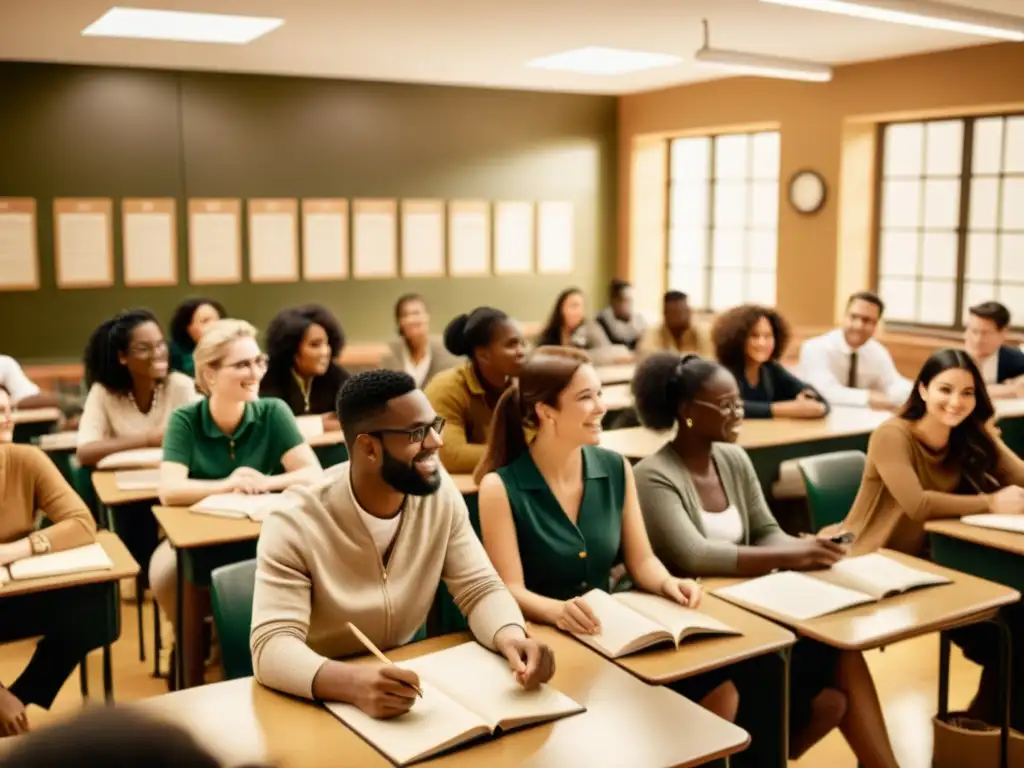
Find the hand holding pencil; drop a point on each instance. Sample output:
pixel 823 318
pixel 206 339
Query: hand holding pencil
pixel 384 690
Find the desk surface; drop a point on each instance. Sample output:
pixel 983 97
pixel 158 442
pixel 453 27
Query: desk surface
pixel 617 397
pixel 914 613
pixel 626 722
pixel 616 374
pixel 703 654
pixel 1007 541
pixel 109 494
pixel 189 530
pixel 124 567
pixel 59 441
pixel 35 415
pixel 326 438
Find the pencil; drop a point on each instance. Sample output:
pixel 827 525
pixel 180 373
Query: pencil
pixel 368 643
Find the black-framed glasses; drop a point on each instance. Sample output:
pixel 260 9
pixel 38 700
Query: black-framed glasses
pixel 734 408
pixel 148 350
pixel 416 434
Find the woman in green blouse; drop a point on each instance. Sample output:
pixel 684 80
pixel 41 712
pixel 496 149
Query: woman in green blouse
pixel 556 513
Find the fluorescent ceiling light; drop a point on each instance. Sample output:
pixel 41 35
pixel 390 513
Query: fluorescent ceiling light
pixel 921 13
pixel 177 25
pixel 594 60
pixel 764 66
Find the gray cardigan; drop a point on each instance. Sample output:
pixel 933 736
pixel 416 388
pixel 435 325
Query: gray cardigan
pixel 440 358
pixel 671 509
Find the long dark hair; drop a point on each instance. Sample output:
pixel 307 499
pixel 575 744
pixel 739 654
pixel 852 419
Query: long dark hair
pixel 543 377
pixel 182 319
pixel 971 446
pixel 552 333
pixel 108 342
pixel 284 337
pixel 466 333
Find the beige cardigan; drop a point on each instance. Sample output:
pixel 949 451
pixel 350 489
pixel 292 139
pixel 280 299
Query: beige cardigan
pixel 318 568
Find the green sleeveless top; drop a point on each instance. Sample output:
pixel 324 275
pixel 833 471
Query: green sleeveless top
pixel 562 560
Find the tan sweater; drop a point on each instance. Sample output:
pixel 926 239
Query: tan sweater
pixel 29 481
pixel 317 568
pixel 906 484
pixel 468 408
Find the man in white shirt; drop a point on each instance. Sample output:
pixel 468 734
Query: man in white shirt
pixel 848 366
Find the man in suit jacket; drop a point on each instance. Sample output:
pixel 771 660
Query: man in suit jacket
pixel 415 351
pixel 1001 364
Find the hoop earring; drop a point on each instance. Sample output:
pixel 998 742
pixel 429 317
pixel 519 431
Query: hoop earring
pixel 689 423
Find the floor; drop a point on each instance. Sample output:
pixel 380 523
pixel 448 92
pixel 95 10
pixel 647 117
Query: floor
pixel 905 675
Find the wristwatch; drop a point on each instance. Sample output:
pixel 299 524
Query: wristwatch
pixel 40 544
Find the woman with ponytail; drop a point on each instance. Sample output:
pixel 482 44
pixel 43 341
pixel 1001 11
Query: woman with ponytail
pixel 556 510
pixel 466 396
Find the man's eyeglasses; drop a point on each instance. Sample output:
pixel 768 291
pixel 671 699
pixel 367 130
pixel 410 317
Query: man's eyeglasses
pixel 148 350
pixel 416 434
pixel 734 408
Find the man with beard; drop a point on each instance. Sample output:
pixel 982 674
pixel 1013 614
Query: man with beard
pixel 369 545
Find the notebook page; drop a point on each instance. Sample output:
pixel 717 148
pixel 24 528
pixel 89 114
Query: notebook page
pixel 91 557
pixel 793 595
pixel 674 617
pixel 137 457
pixel 481 681
pixel 435 722
pixel 137 479
pixel 1012 523
pixel 877 575
pixel 619 625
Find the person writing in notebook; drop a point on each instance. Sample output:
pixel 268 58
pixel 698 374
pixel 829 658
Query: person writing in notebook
pixel 67 620
pixel 707 516
pixel 370 545
pixel 556 513
pixel 939 459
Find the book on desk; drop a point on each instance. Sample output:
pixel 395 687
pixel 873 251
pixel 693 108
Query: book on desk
pixel 91 557
pixel 255 507
pixel 635 621
pixel 1008 523
pixel 468 693
pixel 850 582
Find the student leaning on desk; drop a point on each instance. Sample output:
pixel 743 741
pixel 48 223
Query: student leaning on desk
pixel 68 622
pixel 230 441
pixel 369 545
pixel 556 513
pixel 938 459
pixel 707 516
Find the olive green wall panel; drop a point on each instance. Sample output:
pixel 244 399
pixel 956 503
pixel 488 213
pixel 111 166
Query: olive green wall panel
pixel 80 131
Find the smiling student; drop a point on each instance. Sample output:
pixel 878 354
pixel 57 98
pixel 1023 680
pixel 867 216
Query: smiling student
pixel 556 514
pixel 415 351
pixel 568 326
pixel 188 322
pixel 303 344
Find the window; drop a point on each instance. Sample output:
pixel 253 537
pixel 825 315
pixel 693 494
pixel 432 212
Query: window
pixel 723 218
pixel 951 218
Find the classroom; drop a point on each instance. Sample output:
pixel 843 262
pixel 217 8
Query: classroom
pixel 393 383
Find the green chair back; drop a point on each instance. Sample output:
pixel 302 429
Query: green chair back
pixel 231 589
pixel 832 481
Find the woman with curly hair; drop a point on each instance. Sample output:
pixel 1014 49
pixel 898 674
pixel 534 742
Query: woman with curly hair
pixel 187 325
pixel 568 326
pixel 749 340
pixel 303 344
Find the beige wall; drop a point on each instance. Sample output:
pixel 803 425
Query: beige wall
pixel 825 127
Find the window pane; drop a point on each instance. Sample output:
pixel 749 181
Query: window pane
pixel 941 203
pixel 764 204
pixel 687 247
pixel 760 288
pixel 726 288
pixel 939 249
pixel 761 250
pixel 1013 204
pixel 899 254
pixel 981 256
pixel 690 282
pixel 984 203
pixel 944 146
pixel 730 204
pixel 732 156
pixel 691 158
pixel 728 248
pixel 904 149
pixel 766 155
pixel 938 301
pixel 900 297
pixel 988 145
pixel 901 203
pixel 689 205
pixel 1011 258
pixel 975 293
pixel 1014 162
pixel 1012 295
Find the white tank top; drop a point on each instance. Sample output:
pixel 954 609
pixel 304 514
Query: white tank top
pixel 723 526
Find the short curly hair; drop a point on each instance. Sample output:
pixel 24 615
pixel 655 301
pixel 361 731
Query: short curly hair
pixel 366 395
pixel 182 319
pixel 734 326
pixel 286 331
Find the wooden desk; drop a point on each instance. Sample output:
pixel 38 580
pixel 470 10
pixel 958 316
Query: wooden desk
pixel 617 397
pixel 191 530
pixel 983 552
pixel 59 441
pixel 616 374
pixel 626 723
pixel 465 484
pixel 111 496
pixel 35 415
pixel 336 437
pixel 124 567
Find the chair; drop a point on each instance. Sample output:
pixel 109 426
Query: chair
pixel 231 590
pixel 832 481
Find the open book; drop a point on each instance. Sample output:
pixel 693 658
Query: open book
pixel 134 459
pixel 310 426
pixel 633 621
pixel 240 505
pixel 1012 523
pixel 468 692
pixel 852 581
pixel 91 557
pixel 137 479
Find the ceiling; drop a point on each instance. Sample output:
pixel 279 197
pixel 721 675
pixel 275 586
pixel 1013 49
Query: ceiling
pixel 471 42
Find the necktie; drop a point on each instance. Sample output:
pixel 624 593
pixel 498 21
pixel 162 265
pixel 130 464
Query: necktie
pixel 851 379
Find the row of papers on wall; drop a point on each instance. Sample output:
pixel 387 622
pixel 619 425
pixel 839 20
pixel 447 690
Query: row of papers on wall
pixel 323 238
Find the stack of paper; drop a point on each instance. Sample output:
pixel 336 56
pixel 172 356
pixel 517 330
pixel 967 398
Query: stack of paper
pixel 91 557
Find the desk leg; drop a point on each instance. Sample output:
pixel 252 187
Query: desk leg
pixel 1005 670
pixel 140 595
pixel 83 676
pixel 944 652
pixel 179 664
pixel 785 658
pixel 108 676
pixel 157 641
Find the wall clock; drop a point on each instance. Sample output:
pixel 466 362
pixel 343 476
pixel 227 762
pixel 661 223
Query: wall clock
pixel 807 191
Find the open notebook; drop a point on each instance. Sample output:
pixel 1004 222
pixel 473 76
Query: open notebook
pixel 133 459
pixel 91 557
pixel 1012 523
pixel 468 692
pixel 240 505
pixel 633 621
pixel 137 479
pixel 852 581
